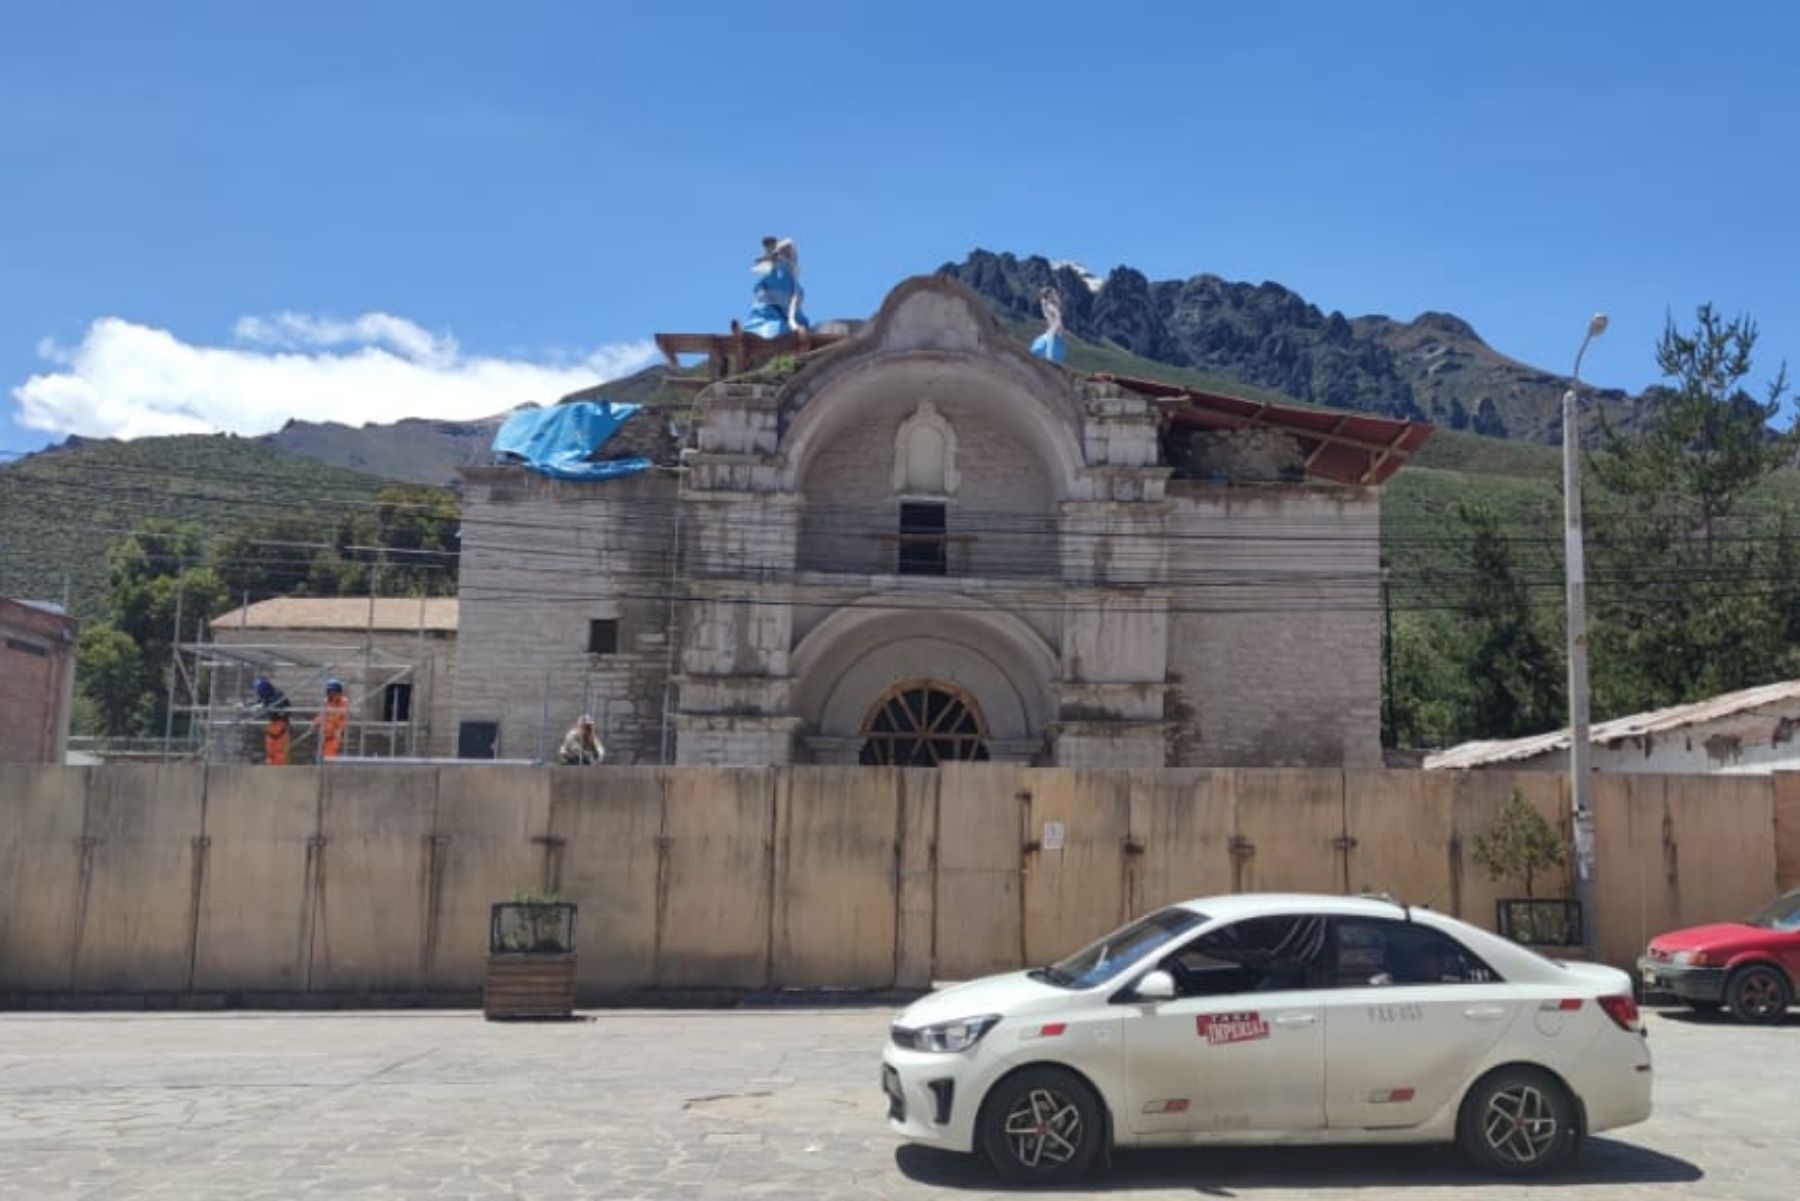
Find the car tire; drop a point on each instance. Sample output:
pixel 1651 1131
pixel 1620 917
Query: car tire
pixel 1041 1126
pixel 1518 1122
pixel 1758 994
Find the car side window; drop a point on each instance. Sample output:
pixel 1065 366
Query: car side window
pixel 1373 953
pixel 1260 954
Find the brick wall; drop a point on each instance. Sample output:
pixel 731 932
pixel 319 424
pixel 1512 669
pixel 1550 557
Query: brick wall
pixel 541 559
pixel 1275 638
pixel 37 680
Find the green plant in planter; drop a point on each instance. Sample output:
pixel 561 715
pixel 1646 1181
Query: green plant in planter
pixel 1520 844
pixel 540 925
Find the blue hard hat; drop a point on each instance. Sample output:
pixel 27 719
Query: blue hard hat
pixel 334 685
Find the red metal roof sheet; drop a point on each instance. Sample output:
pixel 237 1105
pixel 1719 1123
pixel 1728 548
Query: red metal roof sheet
pixel 1348 448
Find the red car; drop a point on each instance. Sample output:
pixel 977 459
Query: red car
pixel 1752 968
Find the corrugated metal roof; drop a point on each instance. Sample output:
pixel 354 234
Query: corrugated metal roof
pixel 1348 448
pixel 1656 721
pixel 342 613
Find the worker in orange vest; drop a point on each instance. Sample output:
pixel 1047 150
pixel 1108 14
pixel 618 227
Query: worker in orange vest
pixel 277 736
pixel 333 720
pixel 277 730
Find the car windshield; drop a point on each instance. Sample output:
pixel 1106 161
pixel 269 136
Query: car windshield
pixel 1783 913
pixel 1100 961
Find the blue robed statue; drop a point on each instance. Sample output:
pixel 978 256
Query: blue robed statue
pixel 1050 344
pixel 775 301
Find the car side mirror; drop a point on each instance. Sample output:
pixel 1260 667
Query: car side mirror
pixel 1156 986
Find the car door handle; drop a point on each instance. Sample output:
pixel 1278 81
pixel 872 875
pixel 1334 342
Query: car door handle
pixel 1297 1019
pixel 1485 1013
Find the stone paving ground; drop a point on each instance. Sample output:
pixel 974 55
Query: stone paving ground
pixel 773 1103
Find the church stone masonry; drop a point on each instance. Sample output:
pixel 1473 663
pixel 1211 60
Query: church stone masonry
pixel 927 545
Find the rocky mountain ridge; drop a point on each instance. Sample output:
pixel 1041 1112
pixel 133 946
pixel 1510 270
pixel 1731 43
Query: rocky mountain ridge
pixel 1434 368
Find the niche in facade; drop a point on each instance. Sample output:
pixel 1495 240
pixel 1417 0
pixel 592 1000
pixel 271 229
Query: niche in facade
pixel 925 454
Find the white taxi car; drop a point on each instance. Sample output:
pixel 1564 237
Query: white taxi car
pixel 1264 1018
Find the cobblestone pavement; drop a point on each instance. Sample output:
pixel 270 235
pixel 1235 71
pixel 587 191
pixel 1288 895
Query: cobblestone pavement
pixel 778 1103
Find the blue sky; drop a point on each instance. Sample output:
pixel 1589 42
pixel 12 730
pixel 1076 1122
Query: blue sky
pixel 250 212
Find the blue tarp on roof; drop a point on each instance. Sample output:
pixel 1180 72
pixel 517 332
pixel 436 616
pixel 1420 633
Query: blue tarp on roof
pixel 558 441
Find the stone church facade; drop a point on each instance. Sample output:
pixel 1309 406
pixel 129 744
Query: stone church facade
pixel 924 544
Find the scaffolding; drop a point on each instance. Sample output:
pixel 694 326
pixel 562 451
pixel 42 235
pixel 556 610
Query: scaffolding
pixel 226 722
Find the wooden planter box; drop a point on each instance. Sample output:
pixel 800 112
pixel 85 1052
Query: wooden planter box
pixel 529 986
pixel 531 961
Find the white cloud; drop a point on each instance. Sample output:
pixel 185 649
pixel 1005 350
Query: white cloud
pixel 125 380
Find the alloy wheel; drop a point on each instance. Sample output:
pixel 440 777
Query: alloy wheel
pixel 1761 995
pixel 1043 1129
pixel 1520 1124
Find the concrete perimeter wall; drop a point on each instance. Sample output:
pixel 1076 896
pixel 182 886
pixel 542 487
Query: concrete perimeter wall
pixel 372 883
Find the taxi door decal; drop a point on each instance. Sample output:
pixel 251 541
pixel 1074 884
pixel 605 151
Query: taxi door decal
pixel 1221 1028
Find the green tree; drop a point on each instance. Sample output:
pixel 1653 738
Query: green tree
pixel 272 556
pixel 155 574
pixel 1519 845
pixel 1710 441
pixel 1688 599
pixel 1430 693
pixel 1514 674
pixel 113 679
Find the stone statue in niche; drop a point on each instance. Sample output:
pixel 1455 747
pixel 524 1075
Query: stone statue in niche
pixel 925 454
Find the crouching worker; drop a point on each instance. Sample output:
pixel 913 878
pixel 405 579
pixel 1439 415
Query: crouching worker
pixel 581 746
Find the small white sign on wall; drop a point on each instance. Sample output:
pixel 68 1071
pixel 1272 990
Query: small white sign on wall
pixel 1053 836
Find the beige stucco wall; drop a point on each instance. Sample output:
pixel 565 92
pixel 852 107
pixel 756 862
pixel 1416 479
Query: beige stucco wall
pixel 373 881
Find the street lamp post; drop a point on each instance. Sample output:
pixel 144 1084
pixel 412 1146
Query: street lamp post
pixel 1580 785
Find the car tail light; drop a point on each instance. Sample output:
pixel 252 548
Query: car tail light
pixel 1622 1009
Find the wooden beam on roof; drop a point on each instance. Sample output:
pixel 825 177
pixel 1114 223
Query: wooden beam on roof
pixel 1318 450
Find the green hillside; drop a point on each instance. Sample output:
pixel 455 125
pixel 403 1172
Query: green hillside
pixel 62 509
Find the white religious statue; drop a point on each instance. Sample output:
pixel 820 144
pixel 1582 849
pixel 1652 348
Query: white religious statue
pixel 1049 344
pixel 775 300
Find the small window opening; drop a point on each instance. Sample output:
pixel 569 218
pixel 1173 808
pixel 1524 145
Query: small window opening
pixel 396 702
pixel 603 636
pixel 922 540
pixel 478 740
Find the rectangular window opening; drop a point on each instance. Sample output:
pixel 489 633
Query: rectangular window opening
pixel 396 702
pixel 923 545
pixel 478 740
pixel 603 636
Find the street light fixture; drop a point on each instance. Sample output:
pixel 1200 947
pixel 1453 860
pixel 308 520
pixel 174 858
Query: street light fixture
pixel 1580 786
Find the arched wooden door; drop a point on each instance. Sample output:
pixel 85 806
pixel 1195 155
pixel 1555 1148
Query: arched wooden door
pixel 922 723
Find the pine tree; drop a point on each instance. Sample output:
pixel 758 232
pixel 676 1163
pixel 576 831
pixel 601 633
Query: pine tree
pixel 1683 607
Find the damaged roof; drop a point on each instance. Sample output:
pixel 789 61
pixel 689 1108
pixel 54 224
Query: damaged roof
pixel 648 433
pixel 1619 729
pixel 1346 448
